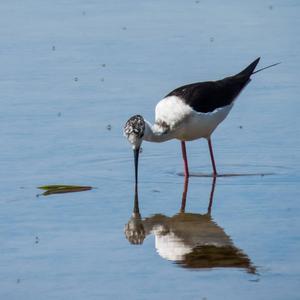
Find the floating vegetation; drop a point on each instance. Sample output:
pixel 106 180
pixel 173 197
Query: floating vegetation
pixel 61 189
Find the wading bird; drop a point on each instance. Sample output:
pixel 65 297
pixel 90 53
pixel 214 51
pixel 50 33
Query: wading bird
pixel 189 112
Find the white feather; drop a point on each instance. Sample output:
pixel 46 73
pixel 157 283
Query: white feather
pixel 185 123
pixel 171 110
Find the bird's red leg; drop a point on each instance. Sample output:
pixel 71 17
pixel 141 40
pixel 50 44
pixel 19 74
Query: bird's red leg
pixel 212 158
pixel 186 167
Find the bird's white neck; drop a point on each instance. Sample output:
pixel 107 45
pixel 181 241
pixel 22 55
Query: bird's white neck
pixel 155 133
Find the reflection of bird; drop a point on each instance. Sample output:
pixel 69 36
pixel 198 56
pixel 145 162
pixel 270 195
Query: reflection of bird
pixel 191 240
pixel 189 112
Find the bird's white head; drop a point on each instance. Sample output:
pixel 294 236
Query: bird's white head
pixel 134 130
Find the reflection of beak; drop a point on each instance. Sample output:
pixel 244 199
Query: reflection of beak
pixel 136 152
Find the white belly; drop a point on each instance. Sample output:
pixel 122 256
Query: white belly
pixel 201 125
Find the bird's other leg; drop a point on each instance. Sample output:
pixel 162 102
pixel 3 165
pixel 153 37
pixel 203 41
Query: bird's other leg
pixel 186 167
pixel 212 157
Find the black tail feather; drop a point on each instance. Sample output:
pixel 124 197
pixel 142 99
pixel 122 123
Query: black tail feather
pixel 248 71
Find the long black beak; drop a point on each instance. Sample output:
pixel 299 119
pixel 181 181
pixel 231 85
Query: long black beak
pixel 136 153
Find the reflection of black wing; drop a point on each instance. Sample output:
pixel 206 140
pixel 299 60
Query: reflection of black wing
pixel 210 256
pixel 207 96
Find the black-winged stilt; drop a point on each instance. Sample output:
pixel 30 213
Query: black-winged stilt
pixel 189 112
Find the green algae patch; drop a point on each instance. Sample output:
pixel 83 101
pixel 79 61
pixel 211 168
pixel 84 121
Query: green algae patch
pixel 61 189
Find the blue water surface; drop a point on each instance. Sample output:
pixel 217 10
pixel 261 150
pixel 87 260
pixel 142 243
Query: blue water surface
pixel 72 72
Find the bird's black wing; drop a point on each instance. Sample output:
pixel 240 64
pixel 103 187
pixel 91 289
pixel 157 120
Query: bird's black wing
pixel 210 95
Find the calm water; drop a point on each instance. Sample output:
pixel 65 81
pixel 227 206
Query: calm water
pixel 71 74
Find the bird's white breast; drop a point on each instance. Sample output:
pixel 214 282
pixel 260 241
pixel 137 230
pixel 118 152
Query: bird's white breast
pixel 185 123
pixel 172 111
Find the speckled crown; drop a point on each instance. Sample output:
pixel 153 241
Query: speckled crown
pixel 135 125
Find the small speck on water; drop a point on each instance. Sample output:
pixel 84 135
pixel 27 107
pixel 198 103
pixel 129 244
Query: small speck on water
pixel 156 191
pixel 102 79
pixel 103 65
pixel 75 78
pixel 212 39
pixel 254 280
pixel 18 280
pixel 197 1
pixel 83 13
pixel 37 239
pixel 53 48
pixel 271 7
pixel 240 127
pixel 59 114
pixel 22 187
pixel 108 127
pixel 124 28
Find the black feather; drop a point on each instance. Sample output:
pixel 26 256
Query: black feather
pixel 207 96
